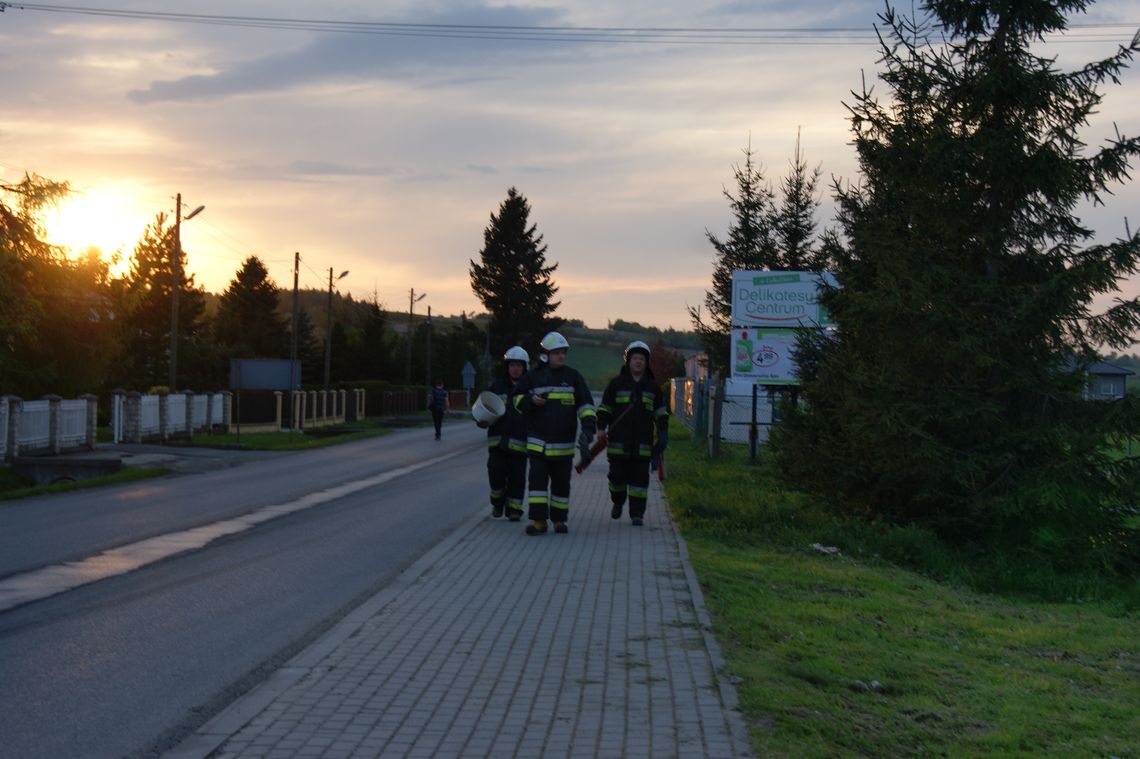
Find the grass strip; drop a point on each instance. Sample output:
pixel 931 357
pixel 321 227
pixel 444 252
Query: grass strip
pixel 847 654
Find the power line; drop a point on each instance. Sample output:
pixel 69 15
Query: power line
pixel 690 35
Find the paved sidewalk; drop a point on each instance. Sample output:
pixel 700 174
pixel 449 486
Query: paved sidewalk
pixel 497 644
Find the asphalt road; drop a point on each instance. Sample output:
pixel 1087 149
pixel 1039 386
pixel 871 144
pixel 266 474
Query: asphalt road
pixel 129 665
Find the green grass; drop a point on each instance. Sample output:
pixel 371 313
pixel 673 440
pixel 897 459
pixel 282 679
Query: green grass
pixel 856 654
pixel 12 487
pixel 297 441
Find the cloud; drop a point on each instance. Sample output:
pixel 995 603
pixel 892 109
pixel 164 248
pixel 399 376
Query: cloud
pixel 390 53
pixel 336 169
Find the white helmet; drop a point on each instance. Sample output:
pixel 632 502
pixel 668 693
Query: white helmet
pixel 636 346
pixel 516 353
pixel 553 341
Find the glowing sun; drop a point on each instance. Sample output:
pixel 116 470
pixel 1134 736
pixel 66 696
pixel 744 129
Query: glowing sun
pixel 107 218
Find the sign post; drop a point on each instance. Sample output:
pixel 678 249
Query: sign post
pixel 468 380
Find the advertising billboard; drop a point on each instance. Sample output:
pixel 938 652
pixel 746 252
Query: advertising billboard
pixel 764 356
pixel 779 299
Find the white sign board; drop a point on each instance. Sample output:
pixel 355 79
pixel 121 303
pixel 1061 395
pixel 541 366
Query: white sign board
pixel 779 299
pixel 764 356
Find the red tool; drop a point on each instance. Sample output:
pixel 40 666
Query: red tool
pixel 600 443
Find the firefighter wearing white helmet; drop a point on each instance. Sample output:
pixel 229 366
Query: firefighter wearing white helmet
pixel 635 419
pixel 506 441
pixel 555 400
pixel 552 342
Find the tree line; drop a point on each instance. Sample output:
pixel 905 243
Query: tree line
pixel 70 326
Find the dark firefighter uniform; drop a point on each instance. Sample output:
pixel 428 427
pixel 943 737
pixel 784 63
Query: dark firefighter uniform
pixel 634 413
pixel 506 454
pixel 550 444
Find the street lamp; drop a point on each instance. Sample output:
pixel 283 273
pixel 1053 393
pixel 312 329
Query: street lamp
pixel 412 301
pixel 328 330
pixel 176 286
pixel 427 351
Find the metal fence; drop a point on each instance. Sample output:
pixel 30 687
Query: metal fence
pixel 729 412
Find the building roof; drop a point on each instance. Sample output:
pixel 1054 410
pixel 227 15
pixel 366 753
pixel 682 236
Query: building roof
pixel 1102 369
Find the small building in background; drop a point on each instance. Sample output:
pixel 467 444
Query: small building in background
pixel 1107 382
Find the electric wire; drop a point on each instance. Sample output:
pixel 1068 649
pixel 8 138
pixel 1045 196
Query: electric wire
pixel 689 35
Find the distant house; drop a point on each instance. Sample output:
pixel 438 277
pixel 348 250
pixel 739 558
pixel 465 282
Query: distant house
pixel 1107 382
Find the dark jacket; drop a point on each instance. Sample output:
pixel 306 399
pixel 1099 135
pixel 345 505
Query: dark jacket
pixel 631 411
pixel 437 400
pixel 509 430
pixel 552 428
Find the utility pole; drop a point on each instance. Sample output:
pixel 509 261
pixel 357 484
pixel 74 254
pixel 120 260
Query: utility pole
pixel 176 287
pixel 427 373
pixel 329 325
pixel 293 378
pixel 412 300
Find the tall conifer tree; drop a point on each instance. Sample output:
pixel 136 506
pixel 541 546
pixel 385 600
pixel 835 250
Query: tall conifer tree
pixel 762 236
pixel 146 318
pixel 248 324
pixel 513 279
pixel 950 396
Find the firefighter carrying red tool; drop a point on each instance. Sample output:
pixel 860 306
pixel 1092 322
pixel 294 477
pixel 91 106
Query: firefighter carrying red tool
pixel 632 410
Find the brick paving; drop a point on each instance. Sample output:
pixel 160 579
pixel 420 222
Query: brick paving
pixel 496 644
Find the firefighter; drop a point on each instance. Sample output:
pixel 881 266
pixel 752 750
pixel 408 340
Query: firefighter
pixel 632 414
pixel 554 399
pixel 506 441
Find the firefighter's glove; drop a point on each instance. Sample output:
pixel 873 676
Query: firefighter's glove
pixel 584 438
pixel 661 444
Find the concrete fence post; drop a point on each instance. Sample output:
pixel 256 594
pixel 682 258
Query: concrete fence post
pixel 277 394
pixel 188 398
pixel 55 422
pixel 15 409
pixel 163 415
pixel 3 428
pixel 132 417
pixel 92 419
pixel 227 410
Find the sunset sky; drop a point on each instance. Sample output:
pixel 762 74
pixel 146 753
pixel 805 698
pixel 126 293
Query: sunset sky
pixel 385 153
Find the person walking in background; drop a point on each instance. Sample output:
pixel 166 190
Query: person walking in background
pixel 554 399
pixel 438 404
pixel 632 410
pixel 506 441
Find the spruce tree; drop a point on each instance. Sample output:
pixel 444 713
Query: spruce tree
pixel 762 236
pixel 146 316
pixel 795 225
pixel 513 279
pixel 950 394
pixel 247 324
